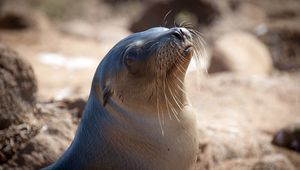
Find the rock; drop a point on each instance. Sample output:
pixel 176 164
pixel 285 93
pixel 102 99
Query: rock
pixel 79 28
pixel 12 139
pixel 239 114
pixel 268 162
pixel 32 146
pixel 240 52
pixel 274 161
pixel 76 106
pixel 18 86
pixel 222 144
pixel 16 16
pixel 199 12
pixel 283 40
pixel 14 21
pixel 288 137
pixel 56 131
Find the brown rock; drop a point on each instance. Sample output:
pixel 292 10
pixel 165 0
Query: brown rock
pixel 274 161
pixel 18 89
pixel 202 12
pixel 56 132
pixel 15 15
pixel 240 52
pixel 238 115
pixel 18 86
pixel 283 40
pixel 268 162
pixel 288 137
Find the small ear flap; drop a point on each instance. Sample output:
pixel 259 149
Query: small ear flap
pixel 106 94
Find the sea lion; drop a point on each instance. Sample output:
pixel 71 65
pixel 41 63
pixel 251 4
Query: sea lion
pixel 137 115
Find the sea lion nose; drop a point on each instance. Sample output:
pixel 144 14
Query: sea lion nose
pixel 181 33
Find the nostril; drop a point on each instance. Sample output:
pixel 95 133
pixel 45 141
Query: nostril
pixel 181 31
pixel 177 35
pixel 185 33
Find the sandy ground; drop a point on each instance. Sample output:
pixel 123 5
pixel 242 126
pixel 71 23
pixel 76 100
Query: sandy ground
pixel 238 114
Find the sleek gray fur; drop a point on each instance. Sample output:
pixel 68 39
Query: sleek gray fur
pixel 137 115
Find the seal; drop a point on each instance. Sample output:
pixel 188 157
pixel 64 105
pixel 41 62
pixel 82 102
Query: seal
pixel 137 115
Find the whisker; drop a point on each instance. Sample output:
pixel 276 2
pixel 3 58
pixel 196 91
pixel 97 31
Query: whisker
pixel 180 107
pixel 181 89
pixel 175 113
pixel 172 99
pixel 179 86
pixel 178 102
pixel 165 18
pixel 158 112
pixel 166 99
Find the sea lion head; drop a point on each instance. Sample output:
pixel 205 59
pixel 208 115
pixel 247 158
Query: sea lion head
pixel 146 65
pixel 156 53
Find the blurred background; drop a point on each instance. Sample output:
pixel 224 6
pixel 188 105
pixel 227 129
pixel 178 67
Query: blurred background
pixel 247 98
